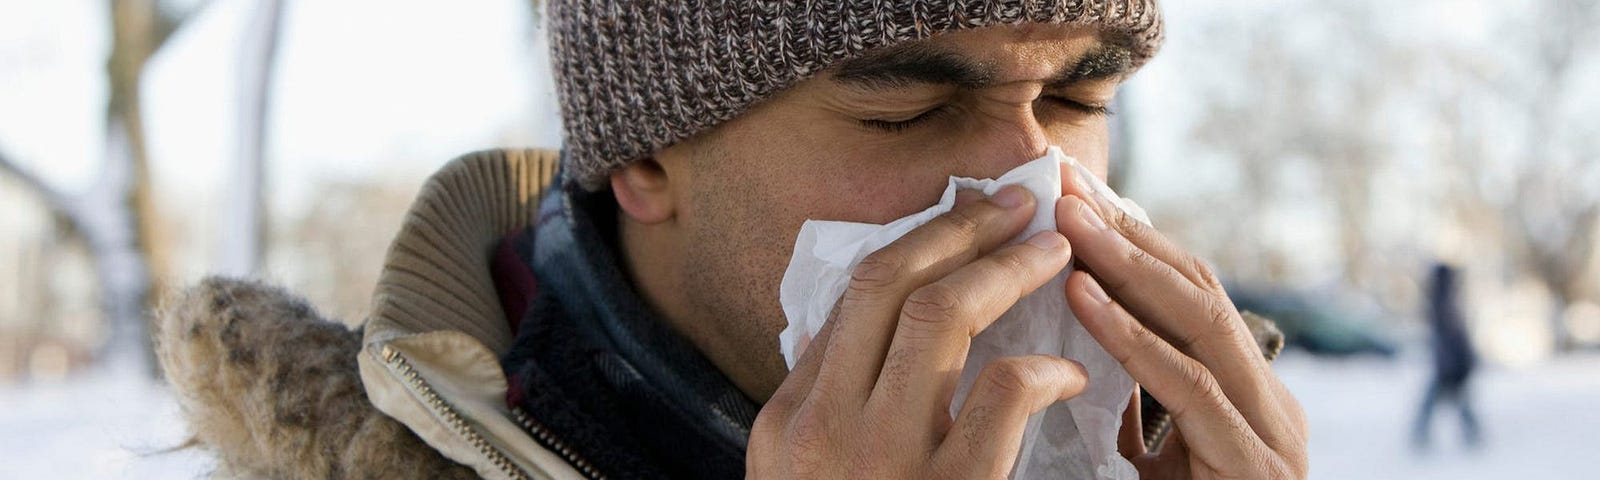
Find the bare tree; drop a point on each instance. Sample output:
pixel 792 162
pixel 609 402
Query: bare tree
pixel 1557 212
pixel 1552 209
pixel 1296 110
pixel 116 216
pixel 244 221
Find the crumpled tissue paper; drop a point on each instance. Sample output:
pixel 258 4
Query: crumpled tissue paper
pixel 1071 439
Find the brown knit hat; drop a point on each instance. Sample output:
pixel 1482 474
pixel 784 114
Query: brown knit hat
pixel 636 76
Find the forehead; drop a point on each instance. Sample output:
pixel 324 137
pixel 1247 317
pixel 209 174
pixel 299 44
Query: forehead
pixel 1023 49
pixel 999 55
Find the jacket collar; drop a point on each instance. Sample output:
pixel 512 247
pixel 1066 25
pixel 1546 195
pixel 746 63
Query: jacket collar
pixel 576 265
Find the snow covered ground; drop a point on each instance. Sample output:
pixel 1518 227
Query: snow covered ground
pixel 1539 422
pixel 95 426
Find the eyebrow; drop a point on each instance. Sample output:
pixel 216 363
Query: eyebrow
pixel 907 65
pixel 1107 61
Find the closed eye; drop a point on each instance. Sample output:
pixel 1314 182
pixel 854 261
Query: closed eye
pixel 894 126
pixel 901 125
pixel 1080 107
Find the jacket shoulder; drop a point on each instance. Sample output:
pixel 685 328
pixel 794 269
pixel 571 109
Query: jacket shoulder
pixel 272 389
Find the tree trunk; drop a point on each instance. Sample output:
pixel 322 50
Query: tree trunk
pixel 244 216
pixel 125 237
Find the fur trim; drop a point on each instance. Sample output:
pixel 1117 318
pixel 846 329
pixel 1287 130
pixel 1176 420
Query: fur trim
pixel 272 389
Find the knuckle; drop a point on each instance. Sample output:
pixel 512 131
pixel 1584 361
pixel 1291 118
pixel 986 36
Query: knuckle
pixel 1012 263
pixel 1294 458
pixel 1223 321
pixel 1133 340
pixel 1206 275
pixel 934 308
pixel 962 225
pixel 878 271
pixel 899 368
pixel 1126 223
pixel 1142 259
pixel 807 431
pixel 1010 379
pixel 873 460
pixel 795 442
pixel 1301 422
pixel 981 421
pixel 1203 391
pixel 1219 326
pixel 1144 340
pixel 1220 316
pixel 1188 341
pixel 768 429
pixel 773 415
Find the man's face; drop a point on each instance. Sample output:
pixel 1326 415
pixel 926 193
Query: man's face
pixel 871 140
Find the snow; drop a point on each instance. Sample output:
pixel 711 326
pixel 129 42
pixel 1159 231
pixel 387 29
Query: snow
pixel 1539 422
pixel 95 426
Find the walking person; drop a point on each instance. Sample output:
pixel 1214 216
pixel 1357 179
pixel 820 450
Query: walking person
pixel 1453 359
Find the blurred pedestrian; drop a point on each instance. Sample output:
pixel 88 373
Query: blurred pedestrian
pixel 1453 359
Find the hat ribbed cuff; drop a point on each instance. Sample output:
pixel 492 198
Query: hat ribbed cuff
pixel 637 76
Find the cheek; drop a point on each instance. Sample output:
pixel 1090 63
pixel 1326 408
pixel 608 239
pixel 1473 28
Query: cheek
pixel 811 170
pixel 866 186
pixel 1089 144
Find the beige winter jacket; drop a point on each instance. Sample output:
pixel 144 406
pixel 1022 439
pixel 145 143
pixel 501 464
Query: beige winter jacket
pixel 276 391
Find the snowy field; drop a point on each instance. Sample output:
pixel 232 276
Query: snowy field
pixel 1538 422
pixel 95 426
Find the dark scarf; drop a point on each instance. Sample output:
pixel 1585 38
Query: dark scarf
pixel 594 364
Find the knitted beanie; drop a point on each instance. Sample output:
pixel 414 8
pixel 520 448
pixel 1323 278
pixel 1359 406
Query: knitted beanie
pixel 636 76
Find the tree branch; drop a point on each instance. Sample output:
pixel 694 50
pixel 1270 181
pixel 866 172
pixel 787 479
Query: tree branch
pixel 168 22
pixel 57 202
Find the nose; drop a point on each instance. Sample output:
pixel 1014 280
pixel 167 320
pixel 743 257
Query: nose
pixel 1005 141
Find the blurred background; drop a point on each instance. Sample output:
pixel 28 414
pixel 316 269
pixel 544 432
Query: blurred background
pixel 1325 156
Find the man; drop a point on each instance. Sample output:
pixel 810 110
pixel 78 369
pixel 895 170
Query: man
pixel 701 136
pixel 643 299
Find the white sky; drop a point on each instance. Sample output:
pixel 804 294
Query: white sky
pixel 51 93
pixel 372 87
pixel 391 89
pixel 363 88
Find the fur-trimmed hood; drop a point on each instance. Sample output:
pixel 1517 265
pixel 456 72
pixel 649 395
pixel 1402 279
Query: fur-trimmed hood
pixel 277 391
pixel 271 388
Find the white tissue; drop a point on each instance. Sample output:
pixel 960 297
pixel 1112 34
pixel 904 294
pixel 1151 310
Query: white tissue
pixel 1071 439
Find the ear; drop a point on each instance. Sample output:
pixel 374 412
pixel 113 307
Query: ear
pixel 644 191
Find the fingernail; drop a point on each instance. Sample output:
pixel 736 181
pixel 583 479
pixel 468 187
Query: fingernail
pixel 1010 197
pixel 1090 218
pixel 966 196
pixel 1092 288
pixel 1047 240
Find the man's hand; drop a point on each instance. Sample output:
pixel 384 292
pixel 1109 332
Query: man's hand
pixel 1169 322
pixel 870 397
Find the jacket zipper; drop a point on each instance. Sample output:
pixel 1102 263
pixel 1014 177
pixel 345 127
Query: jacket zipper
pixel 450 416
pixel 544 437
